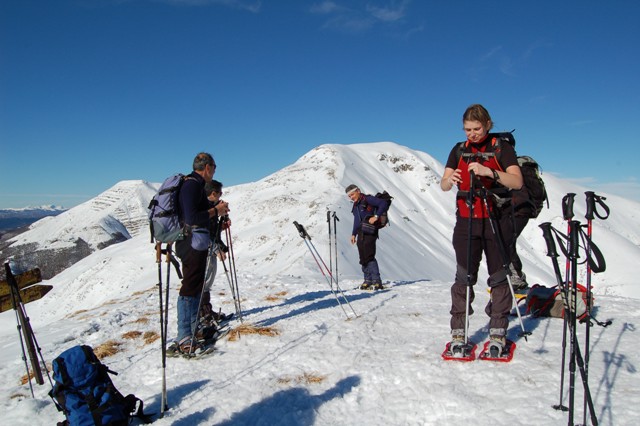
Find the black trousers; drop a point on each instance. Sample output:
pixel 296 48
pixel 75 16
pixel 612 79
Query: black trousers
pixel 366 247
pixel 194 266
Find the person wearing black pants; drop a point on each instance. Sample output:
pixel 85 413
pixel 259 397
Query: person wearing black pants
pixel 477 166
pixel 366 212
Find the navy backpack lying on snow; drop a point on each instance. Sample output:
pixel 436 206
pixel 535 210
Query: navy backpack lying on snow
pixel 85 393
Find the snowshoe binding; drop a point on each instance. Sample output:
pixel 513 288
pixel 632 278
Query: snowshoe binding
pixel 193 349
pixel 498 348
pixel 459 350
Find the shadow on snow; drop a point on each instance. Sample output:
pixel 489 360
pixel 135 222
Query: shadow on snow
pixel 294 406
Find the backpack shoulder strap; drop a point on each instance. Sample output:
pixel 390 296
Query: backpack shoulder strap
pixel 461 146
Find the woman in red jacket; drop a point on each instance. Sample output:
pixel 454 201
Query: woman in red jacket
pixel 490 167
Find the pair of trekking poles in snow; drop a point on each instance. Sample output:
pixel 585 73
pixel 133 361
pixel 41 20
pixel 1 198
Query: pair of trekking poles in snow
pixel 570 246
pixel 25 332
pixel 328 273
pixel 232 279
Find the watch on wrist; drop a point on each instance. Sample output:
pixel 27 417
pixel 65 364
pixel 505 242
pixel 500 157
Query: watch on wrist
pixel 496 176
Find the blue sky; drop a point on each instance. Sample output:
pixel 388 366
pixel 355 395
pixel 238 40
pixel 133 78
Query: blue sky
pixel 93 92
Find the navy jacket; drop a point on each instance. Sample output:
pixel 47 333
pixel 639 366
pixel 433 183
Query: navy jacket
pixel 365 207
pixel 194 204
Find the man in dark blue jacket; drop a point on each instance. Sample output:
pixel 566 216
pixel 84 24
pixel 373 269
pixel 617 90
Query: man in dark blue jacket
pixel 197 212
pixel 366 213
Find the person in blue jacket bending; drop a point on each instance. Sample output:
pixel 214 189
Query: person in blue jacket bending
pixel 366 210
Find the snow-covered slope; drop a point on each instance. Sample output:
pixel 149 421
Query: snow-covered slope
pixel 381 368
pixel 418 242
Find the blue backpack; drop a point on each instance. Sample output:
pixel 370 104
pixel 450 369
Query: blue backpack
pixel 85 393
pixel 165 221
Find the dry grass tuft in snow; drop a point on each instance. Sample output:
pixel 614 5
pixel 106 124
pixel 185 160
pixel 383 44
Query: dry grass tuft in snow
pixel 306 378
pixel 245 329
pixel 108 348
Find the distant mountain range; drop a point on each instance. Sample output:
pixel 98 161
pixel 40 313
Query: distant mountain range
pixel 56 242
pixel 12 219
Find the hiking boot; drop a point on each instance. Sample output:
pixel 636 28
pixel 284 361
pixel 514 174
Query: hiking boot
pixel 457 344
pixel 497 345
pixel 377 286
pixel 186 349
pixel 173 350
pixel 366 286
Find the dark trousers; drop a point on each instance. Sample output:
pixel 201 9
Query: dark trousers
pixel 469 248
pixel 366 247
pixel 367 252
pixel 194 266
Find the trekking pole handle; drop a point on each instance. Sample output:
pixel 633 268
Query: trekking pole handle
pixel 548 238
pixel 567 206
pixel 301 230
pixel 574 239
pixel 592 199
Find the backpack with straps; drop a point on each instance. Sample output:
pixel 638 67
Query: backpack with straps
pixel 383 219
pixel 85 393
pixel 533 188
pixel 165 222
pixel 547 301
pixel 533 193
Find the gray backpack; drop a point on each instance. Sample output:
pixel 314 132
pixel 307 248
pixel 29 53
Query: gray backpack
pixel 165 222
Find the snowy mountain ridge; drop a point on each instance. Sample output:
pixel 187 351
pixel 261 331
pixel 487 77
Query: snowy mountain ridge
pixel 381 368
pixel 418 239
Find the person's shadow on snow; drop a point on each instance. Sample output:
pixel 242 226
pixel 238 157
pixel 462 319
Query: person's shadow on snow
pixel 294 406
